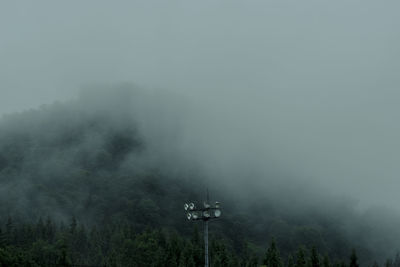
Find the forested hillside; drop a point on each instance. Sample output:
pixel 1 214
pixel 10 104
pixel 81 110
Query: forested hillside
pixel 82 183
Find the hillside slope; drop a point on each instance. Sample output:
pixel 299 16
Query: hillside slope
pixel 89 159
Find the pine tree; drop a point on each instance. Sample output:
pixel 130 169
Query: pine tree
pixel 252 262
pixel 290 262
pixel 63 257
pixel 389 263
pixel 195 235
pixel 73 225
pixel 50 230
pixel 235 262
pixel 182 261
pixel 301 258
pixel 190 262
pixel 9 231
pixel 272 257
pixel 2 239
pixel 40 229
pixel 354 259
pixel 314 258
pixel 396 262
pixel 326 262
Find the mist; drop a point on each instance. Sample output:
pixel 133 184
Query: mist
pixel 309 86
pixel 273 96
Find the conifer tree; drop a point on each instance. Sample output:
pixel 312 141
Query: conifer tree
pixel 389 263
pixel 9 231
pixel 396 262
pixel 354 259
pixel 73 225
pixel 195 235
pixel 314 258
pixel 272 257
pixel 2 238
pixel 290 261
pixel 40 229
pixel 235 262
pixel 190 262
pixel 50 230
pixel 301 258
pixel 326 262
pixel 252 262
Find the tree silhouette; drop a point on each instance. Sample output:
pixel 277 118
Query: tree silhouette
pixel 272 257
pixel 354 259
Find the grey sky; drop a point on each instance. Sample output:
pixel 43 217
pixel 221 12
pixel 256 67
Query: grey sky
pixel 312 86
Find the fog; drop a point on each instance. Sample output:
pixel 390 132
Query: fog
pixel 304 88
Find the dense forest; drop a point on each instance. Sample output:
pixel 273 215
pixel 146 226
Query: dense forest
pixel 47 244
pixel 81 183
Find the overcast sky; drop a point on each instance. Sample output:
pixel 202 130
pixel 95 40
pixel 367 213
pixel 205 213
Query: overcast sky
pixel 312 86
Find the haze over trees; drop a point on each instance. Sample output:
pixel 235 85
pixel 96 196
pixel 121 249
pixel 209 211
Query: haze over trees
pixel 87 182
pixel 113 114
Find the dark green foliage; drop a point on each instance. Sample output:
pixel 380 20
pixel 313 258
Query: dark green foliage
pixel 314 258
pixel 389 263
pixel 396 262
pixel 92 165
pixel 219 253
pixel 111 245
pixel 354 259
pixel 252 262
pixel 272 257
pixel 290 261
pixel 119 244
pixel 301 257
pixel 326 262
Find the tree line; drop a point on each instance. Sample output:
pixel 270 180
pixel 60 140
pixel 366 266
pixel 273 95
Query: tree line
pixel 69 159
pixel 46 243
